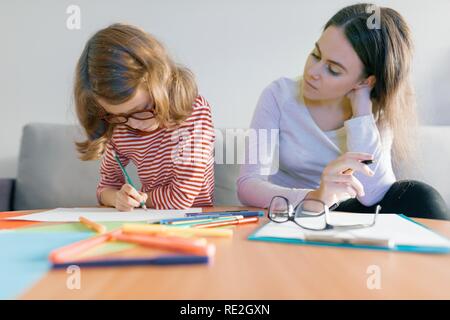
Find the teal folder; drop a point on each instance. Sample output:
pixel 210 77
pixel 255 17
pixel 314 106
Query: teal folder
pixel 399 248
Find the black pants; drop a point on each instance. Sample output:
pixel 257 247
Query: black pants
pixel 411 198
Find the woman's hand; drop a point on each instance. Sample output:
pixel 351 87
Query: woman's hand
pixel 360 100
pixel 338 183
pixel 128 198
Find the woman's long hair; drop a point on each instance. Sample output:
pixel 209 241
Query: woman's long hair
pixel 115 62
pixel 386 53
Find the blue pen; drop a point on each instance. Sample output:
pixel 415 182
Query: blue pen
pixel 124 262
pixel 213 216
pixel 127 177
pixel 227 213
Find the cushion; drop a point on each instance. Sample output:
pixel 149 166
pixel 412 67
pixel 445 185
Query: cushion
pixel 49 172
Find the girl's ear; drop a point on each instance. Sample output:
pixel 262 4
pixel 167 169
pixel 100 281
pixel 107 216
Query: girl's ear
pixel 367 82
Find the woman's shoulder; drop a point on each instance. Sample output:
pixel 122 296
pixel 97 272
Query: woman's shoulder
pixel 284 83
pixel 283 89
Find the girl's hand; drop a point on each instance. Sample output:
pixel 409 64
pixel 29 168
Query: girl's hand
pixel 336 184
pixel 360 100
pixel 128 198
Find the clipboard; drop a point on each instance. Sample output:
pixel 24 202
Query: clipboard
pixel 410 235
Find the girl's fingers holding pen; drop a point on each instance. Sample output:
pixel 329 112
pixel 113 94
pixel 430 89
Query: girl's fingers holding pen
pixel 128 189
pixel 122 202
pixel 144 196
pixel 132 202
pixel 125 200
pixel 132 192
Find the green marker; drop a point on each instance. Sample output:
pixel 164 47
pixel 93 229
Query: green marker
pixel 129 181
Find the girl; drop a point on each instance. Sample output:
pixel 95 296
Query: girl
pixel 133 101
pixel 353 103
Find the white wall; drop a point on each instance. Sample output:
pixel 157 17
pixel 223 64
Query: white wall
pixel 235 48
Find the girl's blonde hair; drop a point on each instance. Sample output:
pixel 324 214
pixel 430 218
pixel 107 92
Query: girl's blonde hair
pixel 115 62
pixel 386 53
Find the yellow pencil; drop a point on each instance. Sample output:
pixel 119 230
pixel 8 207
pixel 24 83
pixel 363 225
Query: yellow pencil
pixel 93 225
pixel 153 228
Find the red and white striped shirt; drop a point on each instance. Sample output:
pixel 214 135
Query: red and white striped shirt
pixel 175 165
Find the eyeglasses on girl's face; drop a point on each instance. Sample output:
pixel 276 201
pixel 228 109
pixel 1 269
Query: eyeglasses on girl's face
pixel 122 118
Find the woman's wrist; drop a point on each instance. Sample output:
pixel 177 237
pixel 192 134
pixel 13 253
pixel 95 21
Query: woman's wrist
pixel 362 108
pixel 319 194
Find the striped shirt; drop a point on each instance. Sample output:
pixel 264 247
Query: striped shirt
pixel 175 165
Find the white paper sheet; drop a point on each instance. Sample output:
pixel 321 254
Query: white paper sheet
pixel 401 231
pixel 104 214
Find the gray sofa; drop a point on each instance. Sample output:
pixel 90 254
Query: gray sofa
pixel 50 174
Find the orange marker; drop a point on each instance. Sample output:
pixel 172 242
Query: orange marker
pixel 185 245
pixel 68 252
pixel 226 223
pixel 93 225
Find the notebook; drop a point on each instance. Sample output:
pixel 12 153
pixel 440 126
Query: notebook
pixel 391 232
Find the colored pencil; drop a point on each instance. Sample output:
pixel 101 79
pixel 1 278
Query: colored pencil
pixel 199 221
pixel 187 219
pixel 227 223
pixel 227 213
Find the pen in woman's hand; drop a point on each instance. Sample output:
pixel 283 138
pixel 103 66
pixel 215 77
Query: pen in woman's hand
pixel 350 171
pixel 366 162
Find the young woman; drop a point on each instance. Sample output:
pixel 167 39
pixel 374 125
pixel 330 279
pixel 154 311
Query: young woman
pixel 133 101
pixel 353 103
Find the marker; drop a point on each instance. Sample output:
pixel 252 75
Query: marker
pixel 68 252
pixel 99 228
pixel 227 223
pixel 192 218
pixel 202 221
pixel 197 246
pixel 244 213
pixel 129 181
pixel 123 262
pixel 177 231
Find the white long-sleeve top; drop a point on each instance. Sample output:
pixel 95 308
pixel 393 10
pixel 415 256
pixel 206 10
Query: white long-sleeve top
pixel 292 151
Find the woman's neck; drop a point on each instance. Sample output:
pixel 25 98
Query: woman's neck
pixel 331 104
pixel 331 114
